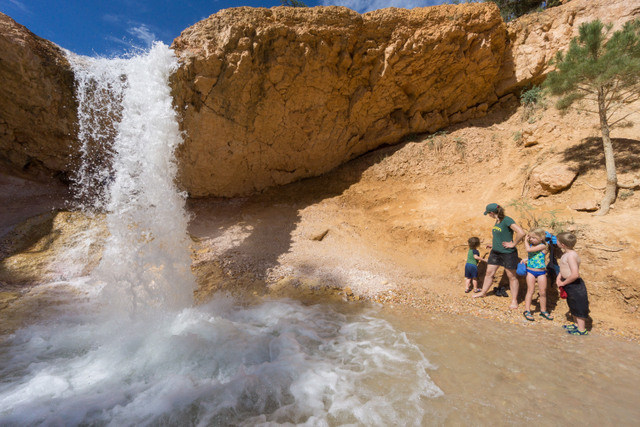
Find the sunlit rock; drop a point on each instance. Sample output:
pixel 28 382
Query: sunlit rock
pixel 52 246
pixel 269 96
pixel 37 107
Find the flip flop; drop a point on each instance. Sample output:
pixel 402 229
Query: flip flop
pixel 477 290
pixel 570 327
pixel 546 315
pixel 466 291
pixel 527 315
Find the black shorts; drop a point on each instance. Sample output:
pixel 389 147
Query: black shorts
pixel 577 298
pixel 508 260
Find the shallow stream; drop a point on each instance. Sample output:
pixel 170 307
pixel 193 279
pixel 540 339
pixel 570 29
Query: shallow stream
pixel 283 362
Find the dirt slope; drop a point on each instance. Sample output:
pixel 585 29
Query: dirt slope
pixel 392 226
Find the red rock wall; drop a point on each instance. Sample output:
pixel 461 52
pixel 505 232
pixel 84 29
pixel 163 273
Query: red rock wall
pixel 37 107
pixel 269 96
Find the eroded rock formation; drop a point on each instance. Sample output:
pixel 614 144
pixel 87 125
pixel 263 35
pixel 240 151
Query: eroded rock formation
pixel 269 96
pixel 272 96
pixel 37 107
pixel 534 39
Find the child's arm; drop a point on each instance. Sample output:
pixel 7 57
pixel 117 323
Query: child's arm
pixel 477 257
pixel 536 248
pixel 572 261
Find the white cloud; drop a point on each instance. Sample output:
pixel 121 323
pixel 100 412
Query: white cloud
pixel 20 5
pixel 142 33
pixel 122 41
pixel 112 19
pixel 362 6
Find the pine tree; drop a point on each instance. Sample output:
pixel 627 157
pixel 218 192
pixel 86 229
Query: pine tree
pixel 605 71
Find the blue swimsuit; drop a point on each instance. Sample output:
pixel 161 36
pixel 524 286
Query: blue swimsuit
pixel 536 260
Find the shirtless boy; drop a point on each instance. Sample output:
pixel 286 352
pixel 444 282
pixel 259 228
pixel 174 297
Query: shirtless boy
pixel 569 279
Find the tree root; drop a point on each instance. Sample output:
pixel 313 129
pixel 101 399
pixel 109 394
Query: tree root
pixel 635 185
pixel 606 249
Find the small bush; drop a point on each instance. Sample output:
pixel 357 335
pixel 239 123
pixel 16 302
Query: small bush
pixel 436 141
pixel 625 194
pixel 547 220
pixel 517 137
pixel 532 100
pixel 532 96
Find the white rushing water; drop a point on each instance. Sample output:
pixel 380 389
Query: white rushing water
pixel 125 346
pixel 129 133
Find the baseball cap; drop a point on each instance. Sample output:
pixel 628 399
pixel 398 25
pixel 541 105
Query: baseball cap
pixel 491 207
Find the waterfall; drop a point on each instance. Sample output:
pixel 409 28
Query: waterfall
pixel 127 347
pixel 128 134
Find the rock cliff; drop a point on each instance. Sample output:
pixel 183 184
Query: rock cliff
pixel 269 96
pixel 37 107
pixel 272 96
pixel 534 39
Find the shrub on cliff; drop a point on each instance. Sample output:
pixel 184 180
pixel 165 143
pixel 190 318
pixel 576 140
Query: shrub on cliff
pixel 293 3
pixel 604 71
pixel 511 9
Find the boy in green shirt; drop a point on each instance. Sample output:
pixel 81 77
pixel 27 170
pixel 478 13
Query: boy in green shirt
pixel 471 267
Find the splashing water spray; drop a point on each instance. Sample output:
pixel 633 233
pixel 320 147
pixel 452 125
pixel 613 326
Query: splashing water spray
pixel 128 133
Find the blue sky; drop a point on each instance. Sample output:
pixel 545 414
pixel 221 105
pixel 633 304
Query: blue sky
pixel 109 27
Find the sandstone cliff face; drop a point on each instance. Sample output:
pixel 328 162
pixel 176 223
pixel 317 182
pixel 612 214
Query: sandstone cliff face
pixel 272 96
pixel 37 107
pixel 534 39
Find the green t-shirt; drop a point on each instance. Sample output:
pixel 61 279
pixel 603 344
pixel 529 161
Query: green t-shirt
pixel 502 232
pixel 470 258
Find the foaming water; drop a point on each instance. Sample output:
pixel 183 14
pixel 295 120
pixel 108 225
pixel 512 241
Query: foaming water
pixel 125 345
pixel 220 364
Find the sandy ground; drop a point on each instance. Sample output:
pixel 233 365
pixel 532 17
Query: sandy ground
pixel 392 226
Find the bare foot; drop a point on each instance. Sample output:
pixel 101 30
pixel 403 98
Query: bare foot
pixel 479 295
pixel 513 307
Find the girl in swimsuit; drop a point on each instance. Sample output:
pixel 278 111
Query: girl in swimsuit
pixel 534 243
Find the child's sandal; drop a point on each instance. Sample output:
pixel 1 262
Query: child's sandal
pixel 527 315
pixel 546 315
pixel 577 331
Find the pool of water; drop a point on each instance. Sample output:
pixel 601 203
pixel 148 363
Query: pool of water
pixel 282 362
pixel 492 373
